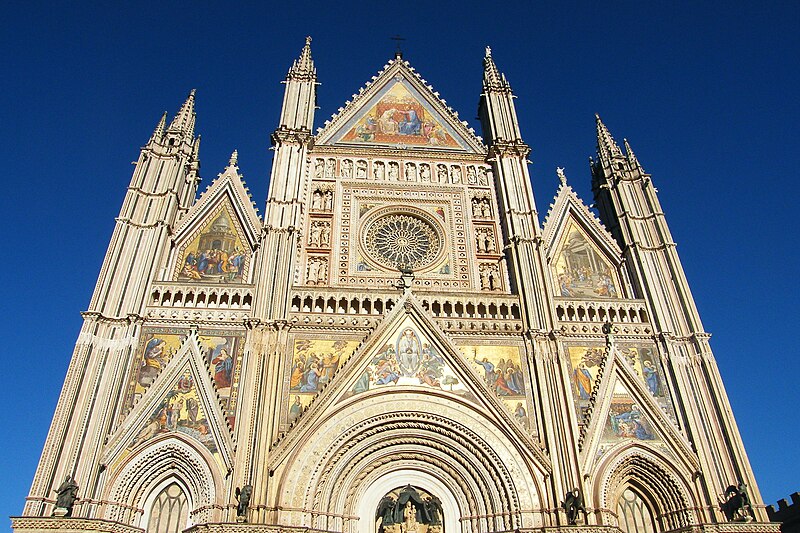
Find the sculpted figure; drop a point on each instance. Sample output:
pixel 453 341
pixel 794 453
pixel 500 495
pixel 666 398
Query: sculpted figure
pixel 67 494
pixel 319 168
pixel 572 504
pixel 243 497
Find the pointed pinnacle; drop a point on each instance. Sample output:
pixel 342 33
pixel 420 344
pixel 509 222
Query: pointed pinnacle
pixel 605 142
pixel 234 160
pixel 492 79
pixel 196 148
pixel 303 67
pixel 158 133
pixel 631 156
pixel 184 119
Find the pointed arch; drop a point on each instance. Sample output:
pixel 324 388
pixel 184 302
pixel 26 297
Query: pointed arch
pixel 166 509
pixel 653 480
pixel 135 484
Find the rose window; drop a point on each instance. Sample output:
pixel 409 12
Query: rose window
pixel 402 240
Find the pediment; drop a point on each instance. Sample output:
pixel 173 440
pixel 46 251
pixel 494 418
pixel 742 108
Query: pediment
pixel 182 401
pixel 398 109
pixel 626 410
pixel 585 261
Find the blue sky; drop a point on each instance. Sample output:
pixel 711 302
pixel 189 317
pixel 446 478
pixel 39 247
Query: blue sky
pixel 707 97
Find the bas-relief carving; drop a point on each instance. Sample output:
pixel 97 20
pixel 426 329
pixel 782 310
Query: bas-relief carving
pixel 216 253
pixel 400 118
pixel 314 362
pixel 317 270
pixel 580 270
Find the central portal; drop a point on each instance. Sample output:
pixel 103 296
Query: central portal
pixel 409 510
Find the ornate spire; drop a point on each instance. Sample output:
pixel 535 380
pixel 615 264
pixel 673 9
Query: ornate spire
pixel 492 79
pixel 606 146
pixel 234 160
pixel 184 119
pixel 634 162
pixel 158 133
pixel 303 67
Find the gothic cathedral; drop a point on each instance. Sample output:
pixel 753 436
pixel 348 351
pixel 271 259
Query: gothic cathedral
pixel 399 344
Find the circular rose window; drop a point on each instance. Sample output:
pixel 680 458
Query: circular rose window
pixel 404 239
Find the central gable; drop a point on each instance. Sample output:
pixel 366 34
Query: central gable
pixel 399 110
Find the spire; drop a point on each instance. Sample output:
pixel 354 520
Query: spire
pixel 606 146
pixel 492 79
pixel 234 160
pixel 184 119
pixel 159 131
pixel 634 162
pixel 303 67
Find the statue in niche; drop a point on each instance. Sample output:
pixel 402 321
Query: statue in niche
pixel 394 170
pixel 472 178
pixel 67 495
pixel 347 168
pixel 316 200
pixel 379 170
pixel 312 271
pixel 485 240
pixel 325 234
pixel 319 168
pixel 490 277
pixel 361 170
pixel 425 172
pixel 476 208
pixel 486 208
pixel 572 504
pixel 409 512
pixel 315 234
pixel 330 167
pixel 736 504
pixel 411 172
pixel 455 174
pixel 243 497
pixel 483 178
pixel 441 173
pixel 328 200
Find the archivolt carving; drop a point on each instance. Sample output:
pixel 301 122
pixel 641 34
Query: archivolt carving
pixel 496 486
pixel 640 467
pixel 170 457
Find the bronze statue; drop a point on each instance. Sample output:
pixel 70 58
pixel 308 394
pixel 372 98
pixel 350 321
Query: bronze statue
pixel 67 495
pixel 573 502
pixel 243 497
pixel 387 511
pixel 737 504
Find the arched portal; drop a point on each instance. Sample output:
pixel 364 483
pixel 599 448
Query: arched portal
pixel 428 486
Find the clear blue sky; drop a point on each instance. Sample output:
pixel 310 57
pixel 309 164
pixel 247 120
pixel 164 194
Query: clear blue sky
pixel 706 92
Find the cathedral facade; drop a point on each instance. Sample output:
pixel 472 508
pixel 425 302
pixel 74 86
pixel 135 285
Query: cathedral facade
pixel 400 344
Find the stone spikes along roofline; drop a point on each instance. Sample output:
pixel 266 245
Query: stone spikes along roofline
pixel 370 88
pixel 303 68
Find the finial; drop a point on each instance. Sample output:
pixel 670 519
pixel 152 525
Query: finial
pixel 308 40
pixel 303 67
pixel 488 51
pixel 561 176
pixel 234 159
pixel 398 53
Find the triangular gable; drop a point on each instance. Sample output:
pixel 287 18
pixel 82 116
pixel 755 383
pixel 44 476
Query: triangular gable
pixel 181 402
pixel 439 367
pixel 399 109
pixel 216 238
pixel 624 410
pixel 585 261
